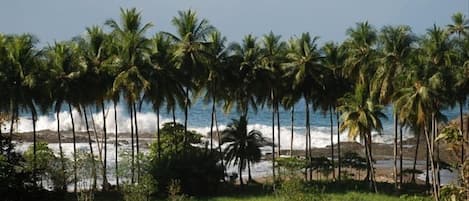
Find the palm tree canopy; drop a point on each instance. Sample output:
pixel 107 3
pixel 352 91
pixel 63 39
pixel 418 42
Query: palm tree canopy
pixel 241 145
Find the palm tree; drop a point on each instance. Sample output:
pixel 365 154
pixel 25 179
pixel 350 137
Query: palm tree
pixel 22 59
pixel 460 27
pixel 189 46
pixel 335 87
pixel 217 60
pixel 417 100
pixel 131 50
pixel 360 116
pixel 65 69
pixel 242 147
pixel 97 56
pixel 161 75
pixel 396 49
pixel 361 60
pixel 305 67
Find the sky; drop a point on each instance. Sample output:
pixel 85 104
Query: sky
pixel 58 20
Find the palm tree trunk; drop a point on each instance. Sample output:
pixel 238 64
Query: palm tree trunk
pixel 370 161
pixel 437 150
pixel 332 142
pixel 116 143
pixel 249 171
pixel 219 146
pixel 396 186
pixel 278 127
pixel 415 158
pixel 338 147
pixel 432 164
pixel 137 142
pixel 186 111
pixel 292 129
pixel 33 116
pixel 74 150
pixel 241 172
pixel 307 151
pixel 158 136
pixel 461 129
pixel 91 149
pixel 273 136
pixel 174 127
pixel 211 123
pixel 105 182
pixel 400 156
pixel 62 161
pixel 132 167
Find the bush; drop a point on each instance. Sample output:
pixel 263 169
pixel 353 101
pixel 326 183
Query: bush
pixel 197 169
pixel 295 189
pixel 140 191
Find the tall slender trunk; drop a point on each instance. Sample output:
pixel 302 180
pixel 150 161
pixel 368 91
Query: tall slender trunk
pixel 158 136
pixel 249 171
pixel 278 127
pixel 416 155
pixel 75 179
pixel 432 164
pixel 137 142
pixel 105 182
pixel 186 111
pixel 292 129
pixel 93 173
pixel 400 156
pixel 240 169
pixel 339 160
pixel 132 165
pixel 461 129
pixel 33 116
pixel 272 96
pixel 211 122
pixel 116 144
pixel 307 151
pixel 174 130
pixel 219 146
pixel 436 149
pixel 396 186
pixel 62 161
pixel 332 142
pixel 371 165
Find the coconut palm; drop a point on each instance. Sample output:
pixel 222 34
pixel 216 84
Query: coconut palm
pixel 217 60
pixel 22 59
pixel 336 86
pixel 243 147
pixel 246 74
pixel 131 50
pixel 460 27
pixel 190 41
pixel 305 67
pixel 360 117
pixel 96 53
pixel 361 60
pixel 65 69
pixel 396 49
pixel 160 76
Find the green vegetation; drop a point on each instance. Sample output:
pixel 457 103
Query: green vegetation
pixel 419 76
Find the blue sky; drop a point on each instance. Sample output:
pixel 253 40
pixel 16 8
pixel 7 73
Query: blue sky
pixel 56 20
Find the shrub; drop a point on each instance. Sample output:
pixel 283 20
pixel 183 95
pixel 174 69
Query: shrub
pixel 140 191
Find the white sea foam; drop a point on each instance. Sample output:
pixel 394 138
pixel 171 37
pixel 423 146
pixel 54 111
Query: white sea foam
pixel 147 124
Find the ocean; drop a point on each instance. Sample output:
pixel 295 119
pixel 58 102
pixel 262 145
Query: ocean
pixel 199 120
pixel 200 117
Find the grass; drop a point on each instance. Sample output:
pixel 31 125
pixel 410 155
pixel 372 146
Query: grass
pixel 328 191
